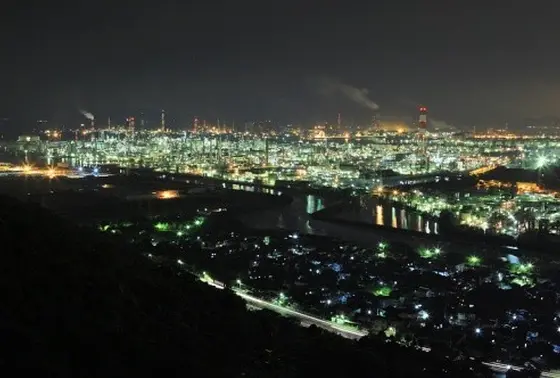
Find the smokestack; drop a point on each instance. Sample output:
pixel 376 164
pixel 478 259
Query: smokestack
pixel 162 120
pixel 423 119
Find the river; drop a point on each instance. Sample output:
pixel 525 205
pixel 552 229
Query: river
pixel 376 211
pixel 297 216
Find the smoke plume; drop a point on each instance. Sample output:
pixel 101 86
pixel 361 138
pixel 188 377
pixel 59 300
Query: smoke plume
pixel 441 125
pixel 360 96
pixel 88 115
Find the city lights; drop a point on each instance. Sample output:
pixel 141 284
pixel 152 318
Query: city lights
pixel 379 178
pixel 473 260
pixel 542 161
pixel 167 194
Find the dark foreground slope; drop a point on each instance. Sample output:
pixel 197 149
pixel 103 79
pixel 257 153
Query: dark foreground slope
pixel 73 304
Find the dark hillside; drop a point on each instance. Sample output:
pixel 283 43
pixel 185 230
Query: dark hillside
pixel 74 304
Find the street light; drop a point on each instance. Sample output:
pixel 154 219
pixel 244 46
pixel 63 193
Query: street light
pixel 542 161
pixel 473 260
pixel 51 172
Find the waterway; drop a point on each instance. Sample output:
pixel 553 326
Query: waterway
pixel 296 216
pixel 374 211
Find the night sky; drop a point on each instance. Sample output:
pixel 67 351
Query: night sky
pixel 470 62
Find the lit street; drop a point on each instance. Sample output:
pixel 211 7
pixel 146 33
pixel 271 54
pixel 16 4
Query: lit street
pixel 502 368
pixel 305 319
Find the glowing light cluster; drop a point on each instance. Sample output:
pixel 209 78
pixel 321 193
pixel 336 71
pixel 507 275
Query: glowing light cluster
pixel 167 194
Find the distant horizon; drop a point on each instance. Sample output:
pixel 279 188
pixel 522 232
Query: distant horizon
pixel 9 126
pixel 472 63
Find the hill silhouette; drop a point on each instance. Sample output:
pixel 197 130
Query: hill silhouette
pixel 76 303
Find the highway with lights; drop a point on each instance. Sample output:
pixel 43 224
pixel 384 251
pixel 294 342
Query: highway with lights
pixel 306 320
pixel 499 367
pixel 354 334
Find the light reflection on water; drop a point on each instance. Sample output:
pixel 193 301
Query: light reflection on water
pixel 381 213
pixel 296 216
pixel 386 214
pixel 314 204
pixel 403 219
pixel 378 214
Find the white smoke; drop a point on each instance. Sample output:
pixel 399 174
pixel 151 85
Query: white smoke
pixel 360 96
pixel 87 114
pixel 441 125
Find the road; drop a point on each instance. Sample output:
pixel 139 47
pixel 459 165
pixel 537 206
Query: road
pixel 502 368
pixel 305 319
pixel 353 334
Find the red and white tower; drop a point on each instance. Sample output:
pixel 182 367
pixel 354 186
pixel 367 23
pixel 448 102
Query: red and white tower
pixel 423 119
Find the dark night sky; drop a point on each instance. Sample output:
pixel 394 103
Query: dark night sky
pixel 470 62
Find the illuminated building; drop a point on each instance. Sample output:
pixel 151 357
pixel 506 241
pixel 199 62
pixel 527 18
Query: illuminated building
pixel 130 124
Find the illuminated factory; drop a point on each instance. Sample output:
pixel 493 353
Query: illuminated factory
pixel 329 154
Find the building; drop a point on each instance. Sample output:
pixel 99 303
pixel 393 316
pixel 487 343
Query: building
pixel 29 139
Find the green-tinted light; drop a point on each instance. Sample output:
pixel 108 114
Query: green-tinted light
pixel 473 260
pixel 161 226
